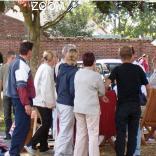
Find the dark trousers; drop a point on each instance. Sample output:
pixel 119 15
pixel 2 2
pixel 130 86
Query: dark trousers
pixel 8 109
pixel 127 114
pixel 41 135
pixel 22 126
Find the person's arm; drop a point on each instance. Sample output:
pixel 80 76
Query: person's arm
pixel 110 79
pixel 22 75
pixel 48 87
pixel 101 89
pixel 144 80
pixel 71 85
pixel 147 89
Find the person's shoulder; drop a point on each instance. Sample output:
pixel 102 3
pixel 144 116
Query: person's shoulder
pixel 137 67
pixel 117 68
pixel 96 73
pixel 75 69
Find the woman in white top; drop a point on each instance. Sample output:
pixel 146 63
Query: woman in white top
pixel 88 87
pixel 44 101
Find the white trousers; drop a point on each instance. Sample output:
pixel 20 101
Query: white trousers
pixel 64 142
pixel 55 130
pixel 87 132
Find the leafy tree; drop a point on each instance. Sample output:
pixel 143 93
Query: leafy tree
pixel 132 19
pixel 32 18
pixel 75 23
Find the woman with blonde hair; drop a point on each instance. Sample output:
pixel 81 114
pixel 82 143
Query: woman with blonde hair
pixel 65 101
pixel 44 101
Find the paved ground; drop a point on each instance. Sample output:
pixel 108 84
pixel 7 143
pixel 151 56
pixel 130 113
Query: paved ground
pixel 107 150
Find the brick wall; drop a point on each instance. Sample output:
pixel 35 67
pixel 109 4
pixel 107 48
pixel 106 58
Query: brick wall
pixel 103 48
pixel 13 31
pixel 11 27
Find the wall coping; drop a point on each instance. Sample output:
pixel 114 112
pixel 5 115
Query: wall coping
pixel 74 39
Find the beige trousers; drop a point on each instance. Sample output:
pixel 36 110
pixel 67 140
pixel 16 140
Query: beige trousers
pixel 87 132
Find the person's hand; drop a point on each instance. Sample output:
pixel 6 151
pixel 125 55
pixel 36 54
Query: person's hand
pixel 28 109
pixel 105 99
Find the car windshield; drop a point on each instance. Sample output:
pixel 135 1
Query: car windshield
pixel 98 67
pixel 111 66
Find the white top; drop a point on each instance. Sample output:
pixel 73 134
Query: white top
pixel 88 87
pixel 44 87
pixel 152 79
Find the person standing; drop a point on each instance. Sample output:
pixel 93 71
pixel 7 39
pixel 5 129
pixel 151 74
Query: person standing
pixel 129 78
pixel 21 90
pixel 7 103
pixel 44 101
pixel 65 102
pixel 88 87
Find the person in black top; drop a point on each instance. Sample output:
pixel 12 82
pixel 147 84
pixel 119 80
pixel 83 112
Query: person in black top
pixel 129 78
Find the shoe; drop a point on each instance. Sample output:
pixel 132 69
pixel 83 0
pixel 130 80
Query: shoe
pixel 30 150
pixel 7 153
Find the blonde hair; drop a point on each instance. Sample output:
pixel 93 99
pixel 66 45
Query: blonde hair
pixel 67 48
pixel 48 55
pixel 71 54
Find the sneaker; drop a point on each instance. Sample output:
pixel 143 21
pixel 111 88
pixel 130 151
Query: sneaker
pixel 30 150
pixel 7 153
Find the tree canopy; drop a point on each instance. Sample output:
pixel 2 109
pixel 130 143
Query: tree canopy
pixel 75 23
pixel 130 19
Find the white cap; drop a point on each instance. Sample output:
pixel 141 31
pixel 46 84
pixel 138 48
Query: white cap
pixel 153 42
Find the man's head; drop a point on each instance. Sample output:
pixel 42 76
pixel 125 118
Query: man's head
pixel 10 56
pixel 26 49
pixel 126 53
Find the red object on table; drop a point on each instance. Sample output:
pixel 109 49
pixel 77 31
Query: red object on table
pixel 107 118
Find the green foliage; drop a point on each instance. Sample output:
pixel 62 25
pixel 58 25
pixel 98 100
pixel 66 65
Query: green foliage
pixel 75 23
pixel 130 19
pixel 108 7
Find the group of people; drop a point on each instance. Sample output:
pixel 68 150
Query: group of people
pixel 74 94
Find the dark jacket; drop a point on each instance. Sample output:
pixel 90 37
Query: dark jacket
pixel 65 84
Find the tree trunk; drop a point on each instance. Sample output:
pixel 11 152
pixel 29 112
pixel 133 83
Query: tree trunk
pixel 35 38
pixel 35 53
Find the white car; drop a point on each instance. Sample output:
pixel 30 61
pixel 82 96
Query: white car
pixel 98 66
pixel 108 64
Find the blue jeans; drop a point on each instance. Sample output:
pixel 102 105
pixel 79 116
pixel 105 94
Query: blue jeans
pixel 22 126
pixel 138 147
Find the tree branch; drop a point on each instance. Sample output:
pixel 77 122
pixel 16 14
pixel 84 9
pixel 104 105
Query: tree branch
pixel 60 17
pixel 27 13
